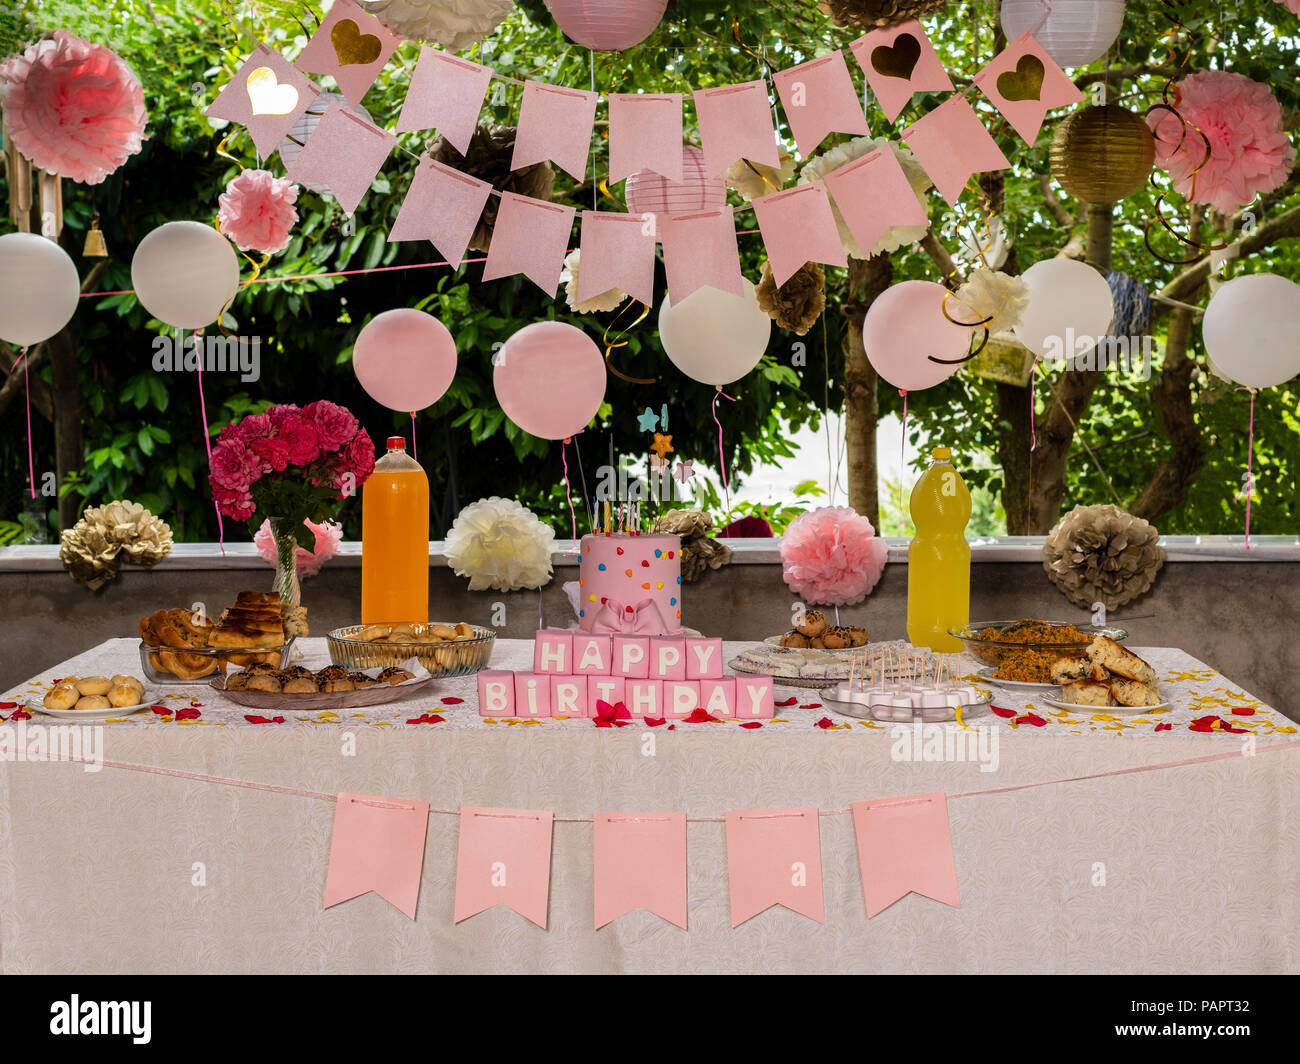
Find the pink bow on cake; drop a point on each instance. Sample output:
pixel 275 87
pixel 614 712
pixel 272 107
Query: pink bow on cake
pixel 643 619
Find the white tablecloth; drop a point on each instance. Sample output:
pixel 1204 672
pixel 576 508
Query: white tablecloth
pixel 1186 869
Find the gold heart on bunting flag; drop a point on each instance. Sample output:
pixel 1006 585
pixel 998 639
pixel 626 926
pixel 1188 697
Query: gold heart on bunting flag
pixel 268 96
pixel 899 60
pixel 1025 82
pixel 353 47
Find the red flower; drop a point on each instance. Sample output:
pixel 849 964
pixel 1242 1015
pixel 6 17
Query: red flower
pixel 333 424
pixel 1004 713
pixel 701 716
pixel 788 702
pixel 825 722
pixel 751 724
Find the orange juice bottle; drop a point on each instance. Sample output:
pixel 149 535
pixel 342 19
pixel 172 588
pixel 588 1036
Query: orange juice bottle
pixel 395 540
pixel 938 559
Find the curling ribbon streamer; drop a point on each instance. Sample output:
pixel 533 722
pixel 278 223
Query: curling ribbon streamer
pixel 207 439
pixel 1033 433
pixel 722 457
pixel 1250 461
pixel 568 489
pixel 31 462
pixel 414 454
pixel 611 344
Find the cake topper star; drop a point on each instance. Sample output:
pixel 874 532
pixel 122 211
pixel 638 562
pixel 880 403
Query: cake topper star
pixel 649 421
pixel 663 444
pixel 658 463
pixel 685 470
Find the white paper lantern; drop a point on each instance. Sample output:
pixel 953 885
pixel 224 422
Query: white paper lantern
pixel 185 273
pixel 1075 33
pixel 296 139
pixel 713 336
pixel 451 24
pixel 647 192
pixel 39 288
pixel 1252 330
pixel 1070 309
pixel 607 25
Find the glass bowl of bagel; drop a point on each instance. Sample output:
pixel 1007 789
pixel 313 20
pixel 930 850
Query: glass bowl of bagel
pixel 444 648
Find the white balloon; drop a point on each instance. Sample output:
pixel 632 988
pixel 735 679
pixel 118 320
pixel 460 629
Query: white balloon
pixel 39 288
pixel 713 336
pixel 185 273
pixel 1252 330
pixel 1070 309
pixel 1074 32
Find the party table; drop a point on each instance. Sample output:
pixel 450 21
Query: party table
pixel 1157 842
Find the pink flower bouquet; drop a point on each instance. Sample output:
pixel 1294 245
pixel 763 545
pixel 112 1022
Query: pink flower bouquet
pixel 291 465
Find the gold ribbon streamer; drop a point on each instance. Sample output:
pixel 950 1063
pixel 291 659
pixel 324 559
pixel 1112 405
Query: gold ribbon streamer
pixel 610 344
pixel 965 359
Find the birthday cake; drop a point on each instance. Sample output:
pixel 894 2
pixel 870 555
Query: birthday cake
pixel 630 583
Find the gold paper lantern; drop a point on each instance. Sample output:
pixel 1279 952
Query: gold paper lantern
pixel 1102 154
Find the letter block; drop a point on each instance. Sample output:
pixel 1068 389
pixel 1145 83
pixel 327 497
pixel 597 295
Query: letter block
pixel 569 696
pixel 703 659
pixel 496 694
pixel 718 697
pixel 631 656
pixel 553 652
pixel 754 697
pixel 644 698
pixel 609 689
pixel 532 695
pixel 681 698
pixel 591 654
pixel 667 658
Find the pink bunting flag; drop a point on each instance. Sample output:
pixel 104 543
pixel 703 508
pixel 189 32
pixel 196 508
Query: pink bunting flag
pixel 905 846
pixel 798 226
pixel 735 123
pixel 344 152
pixel 640 863
pixel 1024 83
pixel 898 62
pixel 531 237
pixel 774 857
pixel 819 98
pixel 442 206
pixel 352 46
pixel 378 844
pixel 504 858
pixel 700 249
pixel 555 123
pixel 645 133
pixel 951 143
pixel 873 194
pixel 618 251
pixel 266 96
pixel 446 93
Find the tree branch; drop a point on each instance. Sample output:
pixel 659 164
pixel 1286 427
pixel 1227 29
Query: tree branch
pixel 1055 207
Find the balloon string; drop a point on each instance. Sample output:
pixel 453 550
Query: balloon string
pixel 207 441
pixel 1250 461
pixel 31 462
pixel 902 459
pixel 1033 432
pixel 415 456
pixel 568 490
pixel 722 457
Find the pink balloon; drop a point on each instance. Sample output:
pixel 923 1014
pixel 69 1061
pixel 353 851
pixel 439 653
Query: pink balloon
pixel 607 25
pixel 906 325
pixel 405 359
pixel 550 379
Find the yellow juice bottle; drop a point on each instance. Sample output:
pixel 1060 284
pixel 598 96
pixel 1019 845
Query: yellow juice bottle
pixel 938 559
pixel 395 540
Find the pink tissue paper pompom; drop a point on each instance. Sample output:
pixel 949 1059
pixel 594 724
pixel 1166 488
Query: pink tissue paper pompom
pixel 832 556
pixel 72 108
pixel 257 211
pixel 1249 149
pixel 1294 5
pixel 328 537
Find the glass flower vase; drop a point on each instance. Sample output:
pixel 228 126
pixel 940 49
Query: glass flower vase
pixel 286 563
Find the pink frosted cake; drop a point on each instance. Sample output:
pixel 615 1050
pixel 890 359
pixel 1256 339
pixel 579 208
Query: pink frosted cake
pixel 631 584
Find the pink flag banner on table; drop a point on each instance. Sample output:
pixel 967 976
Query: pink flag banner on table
pixel 645 133
pixel 873 194
pixel 345 152
pixel 898 62
pixel 700 249
pixel 351 46
pixel 951 143
pixel 798 226
pixel 446 93
pixel 774 857
pixel 531 237
pixel 640 863
pixel 736 123
pixel 555 123
pixel 267 96
pixel 905 846
pixel 504 858
pixel 618 251
pixel 819 98
pixel 378 844
pixel 442 206
pixel 1024 83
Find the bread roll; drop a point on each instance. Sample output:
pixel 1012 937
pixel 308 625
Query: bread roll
pixel 93 702
pixel 265 682
pixel 94 685
pixel 62 697
pixel 121 678
pixel 125 694
pixel 300 685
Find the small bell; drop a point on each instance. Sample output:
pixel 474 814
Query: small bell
pixel 95 247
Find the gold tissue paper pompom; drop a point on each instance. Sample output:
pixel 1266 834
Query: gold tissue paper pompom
pixel 874 14
pixel 798 303
pixel 699 552
pixel 1102 154
pixel 93 547
pixel 1102 554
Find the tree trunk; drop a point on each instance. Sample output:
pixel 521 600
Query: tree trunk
pixel 1014 457
pixel 67 419
pixel 870 277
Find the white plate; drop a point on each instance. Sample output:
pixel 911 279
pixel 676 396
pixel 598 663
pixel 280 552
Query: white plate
pixel 775 641
pixel 1131 711
pixel 35 706
pixel 986 674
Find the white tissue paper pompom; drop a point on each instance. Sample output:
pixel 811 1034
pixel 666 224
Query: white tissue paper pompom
pixel 500 545
pixel 754 180
pixel 596 304
pixel 994 294
pixel 452 24
pixel 895 237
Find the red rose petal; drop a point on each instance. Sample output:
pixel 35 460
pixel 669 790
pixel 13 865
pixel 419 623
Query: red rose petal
pixel 654 722
pixel 603 722
pixel 20 714
pixel 812 705
pixel 1005 713
pixel 188 714
pixel 825 722
pixel 451 700
pixel 426 718
pixel 8 705
pixel 1204 724
pixel 162 711
pixel 1164 727
pixel 751 724
pixel 1031 718
pixel 1241 711
pixel 788 702
pixel 700 716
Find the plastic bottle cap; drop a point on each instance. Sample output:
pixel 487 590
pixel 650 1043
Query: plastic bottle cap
pixel 939 454
pixel 397 443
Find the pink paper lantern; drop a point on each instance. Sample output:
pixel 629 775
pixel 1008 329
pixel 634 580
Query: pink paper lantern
pixel 550 379
pixel 906 325
pixel 405 359
pixel 647 192
pixel 607 25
